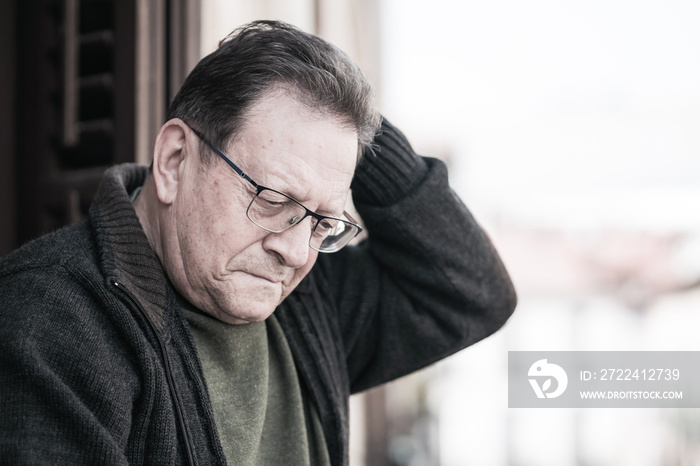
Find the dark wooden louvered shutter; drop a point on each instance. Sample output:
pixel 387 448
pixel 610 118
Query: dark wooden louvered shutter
pixel 94 78
pixel 67 81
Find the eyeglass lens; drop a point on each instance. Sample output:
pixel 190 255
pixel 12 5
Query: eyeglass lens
pixel 276 212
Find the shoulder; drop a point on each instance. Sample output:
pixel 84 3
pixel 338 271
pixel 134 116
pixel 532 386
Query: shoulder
pixel 61 248
pixel 57 315
pixel 47 279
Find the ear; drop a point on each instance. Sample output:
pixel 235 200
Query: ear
pixel 169 152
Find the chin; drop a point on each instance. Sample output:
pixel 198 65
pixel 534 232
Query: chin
pixel 249 316
pixel 259 317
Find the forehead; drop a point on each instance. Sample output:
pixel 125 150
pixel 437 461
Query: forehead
pixel 289 147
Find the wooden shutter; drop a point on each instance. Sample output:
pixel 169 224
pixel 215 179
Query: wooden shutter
pixel 93 81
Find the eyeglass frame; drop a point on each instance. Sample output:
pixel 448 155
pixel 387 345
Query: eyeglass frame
pixel 260 188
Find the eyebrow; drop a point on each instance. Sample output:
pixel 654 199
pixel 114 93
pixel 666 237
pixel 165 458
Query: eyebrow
pixel 303 201
pixel 288 190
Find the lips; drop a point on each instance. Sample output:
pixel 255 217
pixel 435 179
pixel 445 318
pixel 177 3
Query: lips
pixel 273 273
pixel 263 277
pixel 270 277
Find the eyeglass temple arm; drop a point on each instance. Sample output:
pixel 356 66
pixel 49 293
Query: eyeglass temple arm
pixel 240 172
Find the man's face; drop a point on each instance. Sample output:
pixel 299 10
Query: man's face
pixel 217 258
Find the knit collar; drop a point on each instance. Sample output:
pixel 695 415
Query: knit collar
pixel 126 257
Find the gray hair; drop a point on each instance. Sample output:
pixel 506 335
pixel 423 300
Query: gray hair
pixel 263 55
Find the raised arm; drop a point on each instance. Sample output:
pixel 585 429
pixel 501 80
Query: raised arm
pixel 426 282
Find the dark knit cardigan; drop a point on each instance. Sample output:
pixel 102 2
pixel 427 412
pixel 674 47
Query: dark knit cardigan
pixel 97 365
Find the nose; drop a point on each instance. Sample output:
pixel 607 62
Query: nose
pixel 292 245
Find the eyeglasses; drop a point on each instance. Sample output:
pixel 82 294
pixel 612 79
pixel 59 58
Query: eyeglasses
pixel 276 212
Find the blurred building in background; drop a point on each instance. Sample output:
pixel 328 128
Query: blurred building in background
pixel 571 132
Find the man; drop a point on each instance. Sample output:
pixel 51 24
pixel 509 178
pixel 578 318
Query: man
pixel 196 317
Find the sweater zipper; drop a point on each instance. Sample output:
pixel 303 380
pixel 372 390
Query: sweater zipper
pixel 168 374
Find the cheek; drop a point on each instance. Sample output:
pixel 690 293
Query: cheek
pixel 211 234
pixel 217 241
pixel 216 212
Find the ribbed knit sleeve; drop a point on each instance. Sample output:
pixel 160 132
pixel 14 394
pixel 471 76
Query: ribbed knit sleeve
pixel 389 169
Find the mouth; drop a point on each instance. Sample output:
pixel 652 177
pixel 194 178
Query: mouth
pixel 271 274
pixel 262 277
pixel 272 278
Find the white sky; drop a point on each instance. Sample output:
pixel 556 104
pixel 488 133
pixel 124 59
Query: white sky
pixel 568 114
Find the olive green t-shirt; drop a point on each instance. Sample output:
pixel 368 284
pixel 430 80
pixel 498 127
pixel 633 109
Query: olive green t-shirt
pixel 259 408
